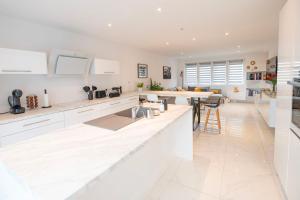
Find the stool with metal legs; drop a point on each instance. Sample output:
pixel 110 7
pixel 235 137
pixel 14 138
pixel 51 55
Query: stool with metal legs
pixel 213 103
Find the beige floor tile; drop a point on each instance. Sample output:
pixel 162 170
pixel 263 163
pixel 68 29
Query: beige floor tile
pixel 175 191
pixel 234 165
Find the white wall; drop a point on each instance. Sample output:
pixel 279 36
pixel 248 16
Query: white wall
pixel 259 57
pixel 29 36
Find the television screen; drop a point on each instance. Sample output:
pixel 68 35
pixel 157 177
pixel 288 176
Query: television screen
pixel 271 69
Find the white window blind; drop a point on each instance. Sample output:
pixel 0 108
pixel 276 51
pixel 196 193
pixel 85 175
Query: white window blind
pixel 235 72
pixel 219 73
pixel 204 73
pixel 190 75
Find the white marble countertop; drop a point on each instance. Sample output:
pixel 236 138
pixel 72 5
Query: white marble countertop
pixel 8 118
pixel 58 164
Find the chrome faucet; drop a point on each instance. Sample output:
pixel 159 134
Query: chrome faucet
pixel 134 111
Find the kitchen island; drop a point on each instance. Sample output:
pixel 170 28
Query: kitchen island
pixel 86 162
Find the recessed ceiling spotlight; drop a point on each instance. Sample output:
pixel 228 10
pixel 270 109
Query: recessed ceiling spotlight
pixel 226 34
pixel 159 10
pixel 167 43
pixel 109 25
pixel 193 38
pixel 238 46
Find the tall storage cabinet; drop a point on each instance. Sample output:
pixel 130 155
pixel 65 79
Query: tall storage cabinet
pixel 286 143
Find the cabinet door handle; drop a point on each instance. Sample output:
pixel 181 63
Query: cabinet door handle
pixel 15 70
pixel 33 123
pixel 115 103
pixel 83 111
pixel 109 72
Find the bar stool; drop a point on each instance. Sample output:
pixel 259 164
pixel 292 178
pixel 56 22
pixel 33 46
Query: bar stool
pixel 213 103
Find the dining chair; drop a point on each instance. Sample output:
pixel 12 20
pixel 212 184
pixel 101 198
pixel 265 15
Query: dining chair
pixel 181 101
pixel 152 97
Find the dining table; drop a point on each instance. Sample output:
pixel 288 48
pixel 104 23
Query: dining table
pixel 196 99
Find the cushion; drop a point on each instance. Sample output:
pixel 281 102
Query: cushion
pixel 216 91
pixel 191 88
pixel 205 89
pixel 197 89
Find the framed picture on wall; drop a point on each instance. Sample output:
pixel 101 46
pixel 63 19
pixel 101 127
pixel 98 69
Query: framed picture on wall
pixel 167 72
pixel 142 70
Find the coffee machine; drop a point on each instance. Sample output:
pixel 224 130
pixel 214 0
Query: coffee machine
pixel 15 102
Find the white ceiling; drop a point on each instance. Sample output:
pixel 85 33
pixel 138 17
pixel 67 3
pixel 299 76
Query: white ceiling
pixel 252 24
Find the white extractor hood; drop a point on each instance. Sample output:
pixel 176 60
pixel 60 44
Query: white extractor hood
pixel 65 62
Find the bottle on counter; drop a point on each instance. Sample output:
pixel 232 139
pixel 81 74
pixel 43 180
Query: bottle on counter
pixel 162 106
pixel 165 104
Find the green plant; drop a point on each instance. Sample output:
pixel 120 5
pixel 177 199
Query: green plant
pixel 155 86
pixel 140 85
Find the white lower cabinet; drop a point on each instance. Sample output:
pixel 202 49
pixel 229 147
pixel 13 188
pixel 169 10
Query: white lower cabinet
pixel 81 115
pixel 84 114
pixel 24 135
pixel 293 180
pixel 25 129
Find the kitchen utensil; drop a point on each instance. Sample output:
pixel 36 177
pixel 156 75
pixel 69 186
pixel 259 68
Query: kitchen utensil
pixel 86 89
pixel 94 88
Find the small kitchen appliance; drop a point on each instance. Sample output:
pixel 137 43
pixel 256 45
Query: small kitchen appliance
pixel 100 94
pixel 115 92
pixel 15 102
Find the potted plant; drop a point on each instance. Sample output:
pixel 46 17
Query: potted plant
pixel 155 86
pixel 140 86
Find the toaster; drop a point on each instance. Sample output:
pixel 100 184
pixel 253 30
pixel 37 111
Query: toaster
pixel 100 94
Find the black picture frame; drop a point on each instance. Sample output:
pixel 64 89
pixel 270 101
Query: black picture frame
pixel 142 70
pixel 167 73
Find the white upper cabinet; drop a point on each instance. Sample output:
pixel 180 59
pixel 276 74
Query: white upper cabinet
pixel 108 67
pixel 13 61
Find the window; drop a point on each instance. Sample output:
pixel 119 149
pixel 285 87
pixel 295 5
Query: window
pixel 214 73
pixel 190 75
pixel 235 72
pixel 204 73
pixel 219 73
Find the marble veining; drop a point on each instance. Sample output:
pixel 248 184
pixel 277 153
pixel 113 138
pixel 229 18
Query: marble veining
pixel 58 164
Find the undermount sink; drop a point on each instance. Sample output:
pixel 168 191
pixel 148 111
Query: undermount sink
pixel 118 120
pixel 141 112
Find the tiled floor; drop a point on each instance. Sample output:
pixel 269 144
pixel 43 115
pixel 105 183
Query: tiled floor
pixel 233 165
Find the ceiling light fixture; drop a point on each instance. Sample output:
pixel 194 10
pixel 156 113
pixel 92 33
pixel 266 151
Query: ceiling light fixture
pixel 159 10
pixel 167 43
pixel 238 46
pixel 109 25
pixel 194 39
pixel 226 34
